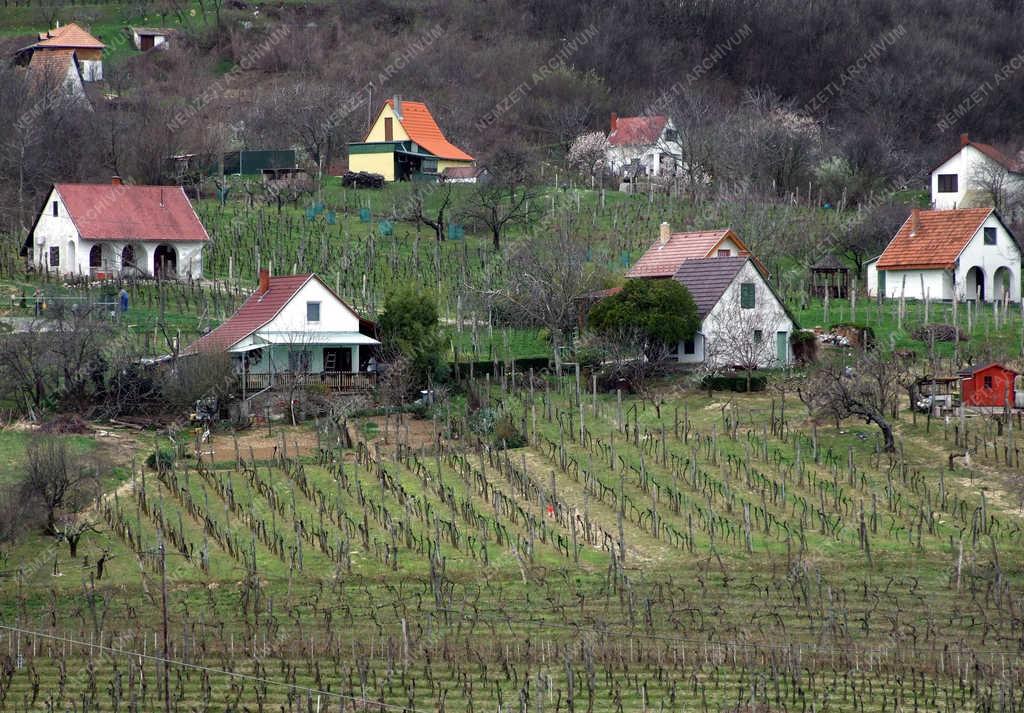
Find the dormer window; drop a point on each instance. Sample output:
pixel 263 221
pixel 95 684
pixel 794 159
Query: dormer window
pixel 312 311
pixel 948 183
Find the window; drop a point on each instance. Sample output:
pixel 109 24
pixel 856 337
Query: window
pixel 429 165
pixel 988 382
pixel 312 311
pixel 690 346
pixel 725 252
pixel 671 135
pixel 747 295
pixel 990 236
pixel 389 129
pixel 54 257
pixel 298 361
pixel 55 209
pixel 758 336
pixel 947 183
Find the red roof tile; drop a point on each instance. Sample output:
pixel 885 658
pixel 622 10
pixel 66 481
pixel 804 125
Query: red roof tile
pixel 70 35
pixel 419 123
pixel 663 260
pixel 637 130
pixel 942 235
pixel 254 313
pixel 121 212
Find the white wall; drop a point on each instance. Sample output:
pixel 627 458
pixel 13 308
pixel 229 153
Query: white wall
pixel 937 285
pixel 871 269
pixel 956 164
pixel 334 315
pixel 92 69
pixel 989 258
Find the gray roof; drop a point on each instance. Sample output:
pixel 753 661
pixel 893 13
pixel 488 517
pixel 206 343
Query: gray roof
pixel 708 278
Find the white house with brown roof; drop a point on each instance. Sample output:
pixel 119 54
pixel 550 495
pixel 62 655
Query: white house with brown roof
pixel 936 254
pixel 650 143
pixel 974 176
pixel 101 230
pixel 295 325
pixel 744 323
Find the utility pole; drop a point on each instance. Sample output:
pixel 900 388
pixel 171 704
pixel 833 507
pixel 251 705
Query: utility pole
pixel 163 606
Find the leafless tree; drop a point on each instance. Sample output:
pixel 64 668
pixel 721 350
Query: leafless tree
pixel 997 187
pixel 503 197
pixel 545 274
pixel 869 388
pixel 59 484
pixel 741 337
pixel 429 204
pixel 627 357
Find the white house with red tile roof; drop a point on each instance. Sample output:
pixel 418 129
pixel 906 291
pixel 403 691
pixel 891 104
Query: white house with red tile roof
pixel 668 252
pixel 100 230
pixel 973 174
pixel 935 254
pixel 56 70
pixel 649 142
pixel 293 324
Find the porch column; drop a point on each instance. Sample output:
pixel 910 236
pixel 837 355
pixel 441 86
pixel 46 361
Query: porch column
pixel 355 358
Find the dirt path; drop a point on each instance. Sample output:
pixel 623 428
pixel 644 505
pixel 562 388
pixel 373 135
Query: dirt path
pixel 640 546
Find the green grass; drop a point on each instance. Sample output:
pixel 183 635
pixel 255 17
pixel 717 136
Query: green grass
pixel 986 340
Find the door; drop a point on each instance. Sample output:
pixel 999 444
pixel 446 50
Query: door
pixel 145 42
pixel 389 129
pixel 782 347
pixel 881 283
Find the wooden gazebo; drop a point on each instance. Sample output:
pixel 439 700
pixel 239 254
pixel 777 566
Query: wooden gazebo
pixel 829 275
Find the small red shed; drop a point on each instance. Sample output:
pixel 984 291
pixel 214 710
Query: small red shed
pixel 991 385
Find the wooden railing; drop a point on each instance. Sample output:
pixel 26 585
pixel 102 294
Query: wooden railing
pixel 336 381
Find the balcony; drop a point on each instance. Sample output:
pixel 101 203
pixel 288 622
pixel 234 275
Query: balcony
pixel 342 381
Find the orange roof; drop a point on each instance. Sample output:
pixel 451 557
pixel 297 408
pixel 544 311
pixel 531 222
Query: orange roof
pixel 70 35
pixel 940 238
pixel 663 260
pixel 419 123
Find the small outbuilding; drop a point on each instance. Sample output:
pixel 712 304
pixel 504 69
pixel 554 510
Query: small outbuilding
pixel 989 386
pixel 830 276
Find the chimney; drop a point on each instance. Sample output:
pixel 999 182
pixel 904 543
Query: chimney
pixel 396 104
pixel 964 140
pixel 614 123
pixel 664 233
pixel 915 221
pixel 116 181
pixel 264 281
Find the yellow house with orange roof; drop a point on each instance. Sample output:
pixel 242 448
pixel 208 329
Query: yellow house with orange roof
pixel 405 143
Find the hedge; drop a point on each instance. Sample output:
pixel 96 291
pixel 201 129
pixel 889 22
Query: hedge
pixel 735 382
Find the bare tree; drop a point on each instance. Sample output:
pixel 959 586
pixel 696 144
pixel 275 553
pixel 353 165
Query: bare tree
pixel 429 204
pixel 992 184
pixel 741 337
pixel 503 197
pixel 624 357
pixel 868 388
pixel 544 276
pixel 59 484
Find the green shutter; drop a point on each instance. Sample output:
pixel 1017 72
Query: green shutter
pixel 747 295
pixel 881 283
